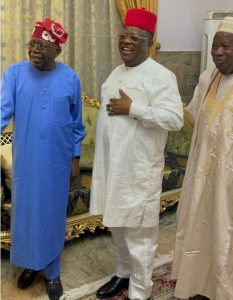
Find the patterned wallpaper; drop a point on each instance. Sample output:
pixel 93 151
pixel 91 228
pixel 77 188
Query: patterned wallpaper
pixel 186 66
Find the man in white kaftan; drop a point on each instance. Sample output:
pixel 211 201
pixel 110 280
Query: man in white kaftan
pixel 140 102
pixel 203 260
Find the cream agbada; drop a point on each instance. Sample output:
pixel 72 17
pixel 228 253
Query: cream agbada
pixel 204 234
pixel 203 258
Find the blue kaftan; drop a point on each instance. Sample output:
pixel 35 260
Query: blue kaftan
pixel 48 129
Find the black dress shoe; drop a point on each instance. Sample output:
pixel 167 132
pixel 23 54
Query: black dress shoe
pixel 26 278
pixel 127 298
pixel 54 288
pixel 113 287
pixel 199 297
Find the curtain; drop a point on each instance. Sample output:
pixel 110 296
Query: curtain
pixel 92 45
pixel 152 5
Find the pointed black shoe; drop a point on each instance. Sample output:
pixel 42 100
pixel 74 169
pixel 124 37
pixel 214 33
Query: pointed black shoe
pixel 54 288
pixel 113 287
pixel 27 278
pixel 130 299
pixel 198 297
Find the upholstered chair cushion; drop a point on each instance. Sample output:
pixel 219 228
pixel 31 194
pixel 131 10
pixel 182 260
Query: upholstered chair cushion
pixel 90 115
pixel 6 163
pixel 179 142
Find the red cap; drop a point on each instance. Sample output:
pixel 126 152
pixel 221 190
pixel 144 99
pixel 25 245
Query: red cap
pixel 49 31
pixel 141 18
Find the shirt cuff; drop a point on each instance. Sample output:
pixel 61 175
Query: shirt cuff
pixel 135 110
pixel 77 150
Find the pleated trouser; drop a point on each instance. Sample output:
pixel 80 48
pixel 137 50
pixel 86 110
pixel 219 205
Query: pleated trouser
pixel 136 248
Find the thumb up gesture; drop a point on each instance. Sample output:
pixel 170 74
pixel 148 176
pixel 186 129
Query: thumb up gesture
pixel 119 106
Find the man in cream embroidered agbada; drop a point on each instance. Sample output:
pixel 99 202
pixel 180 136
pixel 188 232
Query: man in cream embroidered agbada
pixel 203 260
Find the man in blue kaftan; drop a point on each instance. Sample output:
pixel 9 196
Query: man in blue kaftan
pixel 44 99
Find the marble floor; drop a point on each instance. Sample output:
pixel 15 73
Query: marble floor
pixel 87 259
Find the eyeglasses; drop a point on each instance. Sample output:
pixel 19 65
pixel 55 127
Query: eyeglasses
pixel 132 38
pixel 39 46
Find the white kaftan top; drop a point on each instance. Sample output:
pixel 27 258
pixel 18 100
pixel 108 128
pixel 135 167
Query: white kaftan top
pixel 129 155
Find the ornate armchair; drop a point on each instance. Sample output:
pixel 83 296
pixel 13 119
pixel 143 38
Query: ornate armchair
pixel 78 218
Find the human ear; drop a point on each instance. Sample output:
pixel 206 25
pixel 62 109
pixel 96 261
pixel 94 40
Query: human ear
pixel 58 51
pixel 150 43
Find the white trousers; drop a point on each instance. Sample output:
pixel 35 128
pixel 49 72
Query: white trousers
pixel 136 247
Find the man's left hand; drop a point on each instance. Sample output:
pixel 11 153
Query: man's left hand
pixel 119 106
pixel 75 167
